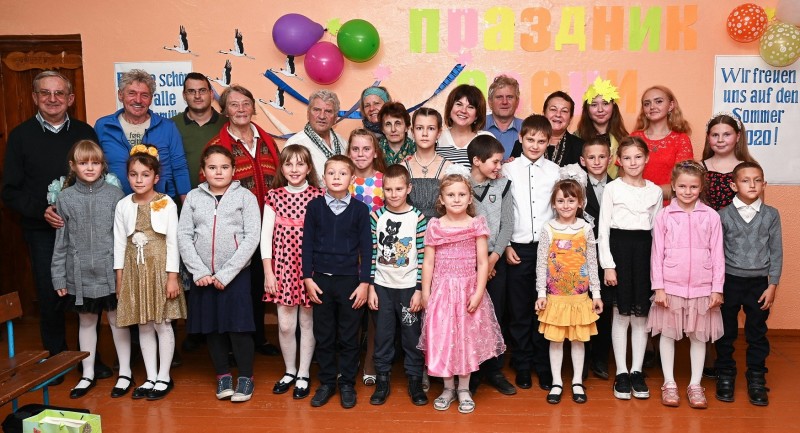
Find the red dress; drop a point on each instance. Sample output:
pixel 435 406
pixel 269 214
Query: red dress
pixel 287 242
pixel 664 154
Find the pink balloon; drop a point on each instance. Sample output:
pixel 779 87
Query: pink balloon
pixel 324 63
pixel 788 11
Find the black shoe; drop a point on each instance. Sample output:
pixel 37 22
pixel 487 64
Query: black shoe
pixel 80 392
pixel 57 381
pixel 579 397
pixel 555 398
pixel 622 386
pixel 155 394
pixel 323 394
pixel 499 382
pixel 177 360
pixel 382 390
pixel 545 380
pixel 523 379
pixel 300 392
pixel 119 392
pixel 640 389
pixel 281 386
pixel 757 388
pixel 726 382
pixel 600 369
pixel 102 371
pixel 268 349
pixel 347 396
pixel 418 396
pixel 142 392
pixel 474 382
pixel 709 372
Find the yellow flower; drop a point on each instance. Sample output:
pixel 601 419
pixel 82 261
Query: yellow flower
pixel 139 148
pixel 158 204
pixel 603 88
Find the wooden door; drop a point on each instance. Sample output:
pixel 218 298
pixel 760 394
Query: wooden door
pixel 21 58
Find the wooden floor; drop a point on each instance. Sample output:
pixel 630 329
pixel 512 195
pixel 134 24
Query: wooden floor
pixel 192 407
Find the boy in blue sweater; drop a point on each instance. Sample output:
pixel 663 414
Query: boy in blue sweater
pixel 337 253
pixel 753 262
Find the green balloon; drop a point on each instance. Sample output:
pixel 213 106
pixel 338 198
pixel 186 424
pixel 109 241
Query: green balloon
pixel 780 44
pixel 358 40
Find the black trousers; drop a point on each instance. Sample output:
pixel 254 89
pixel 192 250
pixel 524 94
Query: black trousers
pixel 257 294
pixel 51 321
pixel 393 305
pixel 530 350
pixel 334 317
pixel 600 344
pixel 496 289
pixel 743 293
pixel 241 343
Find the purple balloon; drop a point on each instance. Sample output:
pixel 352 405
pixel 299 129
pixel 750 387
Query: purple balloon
pixel 324 63
pixel 294 34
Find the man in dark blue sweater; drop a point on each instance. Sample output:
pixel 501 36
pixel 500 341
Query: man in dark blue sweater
pixel 337 252
pixel 36 155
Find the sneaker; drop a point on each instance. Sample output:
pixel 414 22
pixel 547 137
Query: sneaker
pixel 224 387
pixel 697 397
pixel 622 386
pixel 640 389
pixel 244 390
pixel 669 395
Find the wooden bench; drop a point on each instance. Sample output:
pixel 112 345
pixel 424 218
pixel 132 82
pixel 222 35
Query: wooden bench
pixel 30 370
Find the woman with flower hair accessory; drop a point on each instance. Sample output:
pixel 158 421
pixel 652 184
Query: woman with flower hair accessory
pixel 601 116
pixel 725 148
pixel 146 261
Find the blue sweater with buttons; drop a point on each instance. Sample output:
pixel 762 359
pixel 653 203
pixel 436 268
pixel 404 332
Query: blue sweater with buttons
pixel 333 244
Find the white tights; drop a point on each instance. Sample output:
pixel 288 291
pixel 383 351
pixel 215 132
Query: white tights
pixel 157 351
pixel 577 352
pixel 87 340
pixel 619 340
pixel 697 355
pixel 287 327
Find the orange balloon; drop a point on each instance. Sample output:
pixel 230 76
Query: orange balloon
pixel 747 22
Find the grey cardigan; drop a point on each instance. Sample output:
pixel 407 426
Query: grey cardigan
pixel 83 257
pixel 218 237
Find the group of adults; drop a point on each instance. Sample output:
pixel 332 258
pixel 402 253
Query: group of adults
pixel 37 150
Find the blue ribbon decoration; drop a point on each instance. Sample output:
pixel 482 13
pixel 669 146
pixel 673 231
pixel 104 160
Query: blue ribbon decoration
pixel 353 112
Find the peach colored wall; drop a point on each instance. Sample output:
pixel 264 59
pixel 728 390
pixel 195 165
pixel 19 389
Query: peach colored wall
pixel 115 31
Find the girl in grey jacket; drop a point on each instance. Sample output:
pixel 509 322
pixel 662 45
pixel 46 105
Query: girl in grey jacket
pixel 218 232
pixel 82 267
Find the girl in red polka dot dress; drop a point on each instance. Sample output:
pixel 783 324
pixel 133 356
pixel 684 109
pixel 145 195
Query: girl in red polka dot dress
pixel 281 244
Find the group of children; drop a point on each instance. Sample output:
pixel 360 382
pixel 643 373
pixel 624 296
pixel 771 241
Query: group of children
pixel 434 248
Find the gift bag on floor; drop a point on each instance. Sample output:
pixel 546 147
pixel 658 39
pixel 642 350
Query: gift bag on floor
pixel 56 421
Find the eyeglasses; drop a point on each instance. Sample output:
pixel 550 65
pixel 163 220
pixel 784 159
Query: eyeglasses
pixel 200 92
pixel 59 94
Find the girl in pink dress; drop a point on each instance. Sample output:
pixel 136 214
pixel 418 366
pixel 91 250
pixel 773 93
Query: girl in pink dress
pixel 281 241
pixel 459 330
pixel 662 126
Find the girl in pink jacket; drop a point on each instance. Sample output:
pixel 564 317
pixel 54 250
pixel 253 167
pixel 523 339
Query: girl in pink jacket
pixel 687 272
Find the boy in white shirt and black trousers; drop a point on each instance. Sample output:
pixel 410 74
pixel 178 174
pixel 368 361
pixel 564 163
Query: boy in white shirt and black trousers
pixel 532 180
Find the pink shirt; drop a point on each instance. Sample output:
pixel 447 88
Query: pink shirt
pixel 687 257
